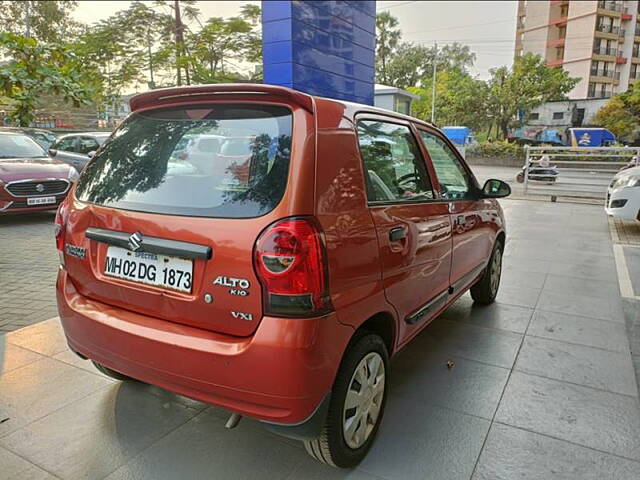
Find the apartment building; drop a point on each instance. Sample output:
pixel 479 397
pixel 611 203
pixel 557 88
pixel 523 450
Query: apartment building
pixel 595 40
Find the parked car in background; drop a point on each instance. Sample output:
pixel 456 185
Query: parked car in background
pixel 76 149
pixel 623 195
pixel 266 251
pixel 29 179
pixel 43 137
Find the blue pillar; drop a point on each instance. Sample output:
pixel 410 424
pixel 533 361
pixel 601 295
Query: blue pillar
pixel 324 48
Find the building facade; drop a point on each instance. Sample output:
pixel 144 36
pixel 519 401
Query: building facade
pixel 595 40
pixel 393 98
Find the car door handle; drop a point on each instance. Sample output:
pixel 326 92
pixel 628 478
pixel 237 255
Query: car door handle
pixel 398 233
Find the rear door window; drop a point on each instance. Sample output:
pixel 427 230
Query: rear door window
pixel 65 144
pixel 86 145
pixel 224 160
pixel 394 168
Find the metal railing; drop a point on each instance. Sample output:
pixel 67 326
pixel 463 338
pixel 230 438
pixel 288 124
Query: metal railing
pixel 583 172
pixel 599 93
pixel 614 52
pixel 603 73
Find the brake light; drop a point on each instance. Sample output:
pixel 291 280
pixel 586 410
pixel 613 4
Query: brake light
pixel 290 260
pixel 60 230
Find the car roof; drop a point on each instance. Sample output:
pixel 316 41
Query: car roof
pixel 84 134
pixel 172 96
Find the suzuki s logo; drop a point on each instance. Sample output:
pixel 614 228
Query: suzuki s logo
pixel 135 241
pixel 40 187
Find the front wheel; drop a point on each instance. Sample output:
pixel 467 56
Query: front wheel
pixel 356 406
pixel 486 289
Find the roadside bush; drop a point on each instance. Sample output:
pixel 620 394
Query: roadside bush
pixel 497 149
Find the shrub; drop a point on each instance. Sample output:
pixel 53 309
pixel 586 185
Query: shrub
pixel 497 149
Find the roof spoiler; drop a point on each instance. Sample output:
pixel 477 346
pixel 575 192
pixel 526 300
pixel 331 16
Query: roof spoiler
pixel 173 95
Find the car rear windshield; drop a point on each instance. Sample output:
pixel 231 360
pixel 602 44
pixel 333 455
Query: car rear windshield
pixel 19 146
pixel 223 160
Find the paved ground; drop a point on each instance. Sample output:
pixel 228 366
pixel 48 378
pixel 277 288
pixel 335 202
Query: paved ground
pixel 542 388
pixel 28 266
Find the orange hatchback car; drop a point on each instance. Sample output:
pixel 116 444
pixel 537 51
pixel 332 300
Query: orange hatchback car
pixel 267 251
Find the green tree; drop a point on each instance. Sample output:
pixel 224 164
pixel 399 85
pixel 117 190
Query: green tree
pixel 412 63
pixel 526 85
pixel 621 114
pixel 460 99
pixel 35 69
pixel 110 59
pixel 218 45
pixel 45 21
pixel 387 39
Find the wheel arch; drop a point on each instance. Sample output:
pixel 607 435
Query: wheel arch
pixel 382 324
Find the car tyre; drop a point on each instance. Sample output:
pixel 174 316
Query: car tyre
pixel 111 373
pixel 349 431
pixel 486 289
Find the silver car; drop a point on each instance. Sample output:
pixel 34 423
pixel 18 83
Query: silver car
pixel 76 149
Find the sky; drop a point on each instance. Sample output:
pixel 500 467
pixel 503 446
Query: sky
pixel 488 27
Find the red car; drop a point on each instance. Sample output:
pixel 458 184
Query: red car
pixel 29 179
pixel 266 251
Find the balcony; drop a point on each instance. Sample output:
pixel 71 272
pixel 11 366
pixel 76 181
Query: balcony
pixel 559 2
pixel 620 60
pixel 602 73
pixel 610 6
pixel 558 42
pixel 625 17
pixel 612 52
pixel 614 29
pixel 599 93
pixel 554 63
pixel 635 53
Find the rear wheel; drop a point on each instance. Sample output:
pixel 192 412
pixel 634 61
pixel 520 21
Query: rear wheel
pixel 486 289
pixel 111 373
pixel 356 406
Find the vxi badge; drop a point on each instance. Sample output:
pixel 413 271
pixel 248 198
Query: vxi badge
pixel 237 286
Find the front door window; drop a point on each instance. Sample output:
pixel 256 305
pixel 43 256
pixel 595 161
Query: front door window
pixel 455 183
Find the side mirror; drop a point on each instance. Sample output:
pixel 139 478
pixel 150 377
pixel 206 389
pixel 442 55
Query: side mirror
pixel 494 188
pixel 53 152
pixel 91 154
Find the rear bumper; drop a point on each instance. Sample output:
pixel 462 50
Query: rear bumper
pixel 279 375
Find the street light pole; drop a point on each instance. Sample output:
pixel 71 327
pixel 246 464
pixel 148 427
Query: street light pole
pixel 433 86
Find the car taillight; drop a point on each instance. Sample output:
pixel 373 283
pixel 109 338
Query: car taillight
pixel 290 260
pixel 60 229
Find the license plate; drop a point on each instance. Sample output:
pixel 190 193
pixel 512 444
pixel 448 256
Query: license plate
pixel 40 201
pixel 159 270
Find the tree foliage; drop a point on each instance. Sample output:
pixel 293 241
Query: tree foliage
pixel 621 114
pixel 460 99
pixel 387 39
pixel 35 69
pixel 44 21
pixel 526 85
pixel 411 64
